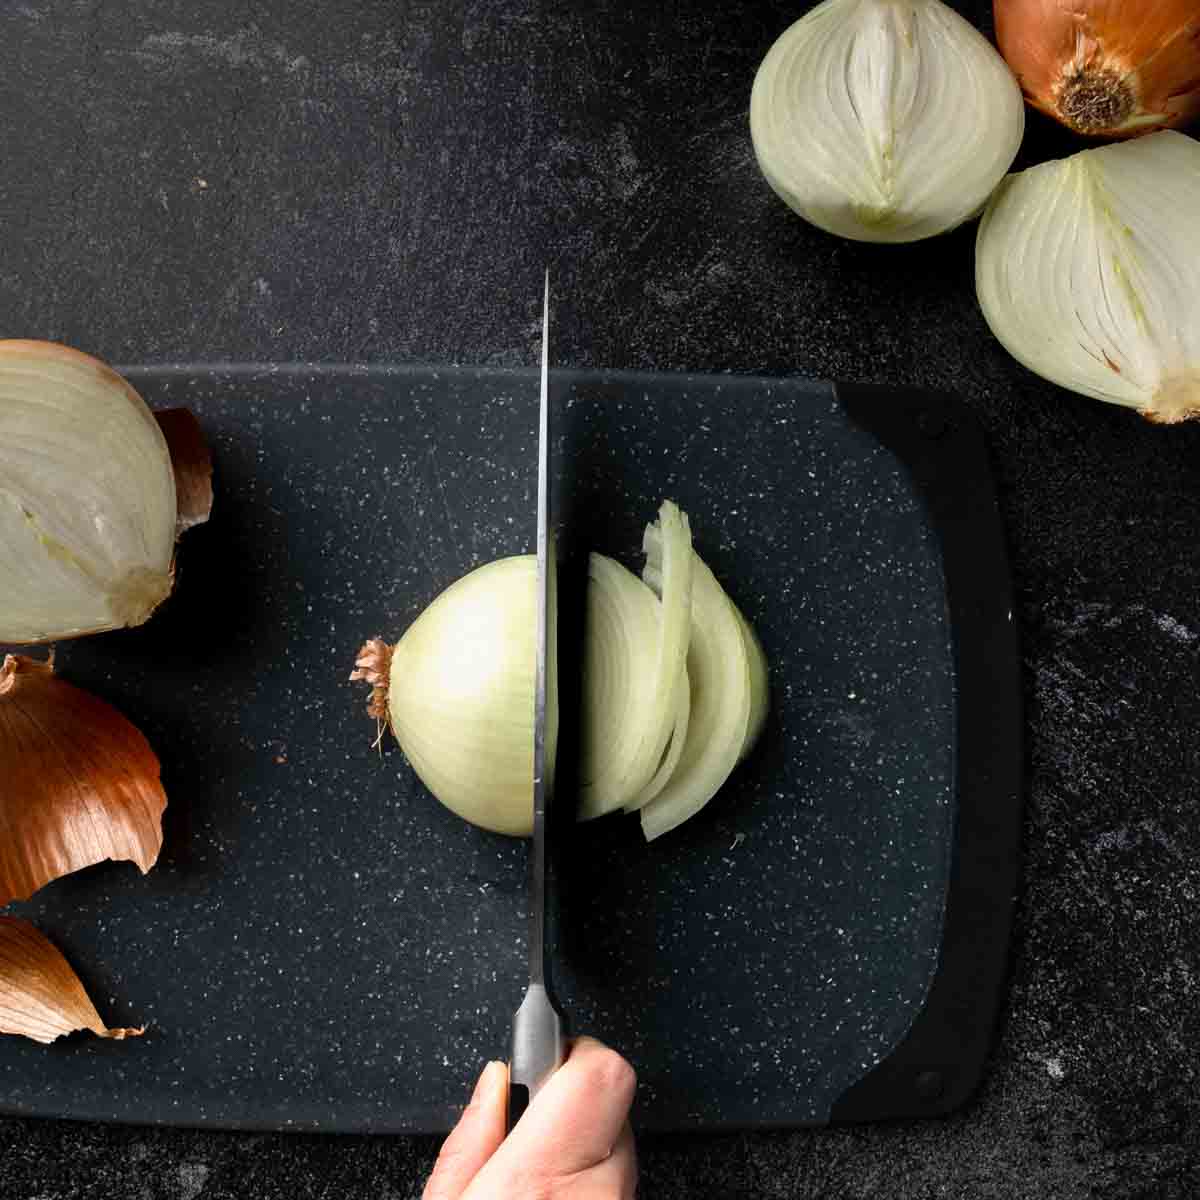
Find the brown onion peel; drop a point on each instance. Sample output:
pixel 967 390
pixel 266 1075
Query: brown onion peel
pixel 41 997
pixel 1105 68
pixel 80 782
pixel 191 461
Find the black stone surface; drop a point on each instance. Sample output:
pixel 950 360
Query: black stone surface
pixel 385 182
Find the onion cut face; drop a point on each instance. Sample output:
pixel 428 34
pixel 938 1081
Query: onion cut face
pixel 884 120
pixel 87 497
pixel 1085 270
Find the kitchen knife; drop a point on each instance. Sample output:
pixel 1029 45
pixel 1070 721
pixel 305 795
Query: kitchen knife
pixel 538 1031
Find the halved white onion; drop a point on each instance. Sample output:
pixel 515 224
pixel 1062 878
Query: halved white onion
pixel 884 120
pixel 87 497
pixel 1085 269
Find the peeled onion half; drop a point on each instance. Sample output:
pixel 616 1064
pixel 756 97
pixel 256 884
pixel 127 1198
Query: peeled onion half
pixel 87 497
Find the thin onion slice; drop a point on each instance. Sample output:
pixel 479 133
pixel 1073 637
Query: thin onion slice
pixel 87 497
pixel 619 677
pixel 683 713
pixel 719 673
pixel 41 997
pixel 80 783
pixel 667 544
pixel 674 688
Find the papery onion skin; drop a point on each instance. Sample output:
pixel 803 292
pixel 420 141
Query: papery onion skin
pixel 80 783
pixel 87 497
pixel 1105 68
pixel 41 997
pixel 884 120
pixel 191 462
pixel 1086 272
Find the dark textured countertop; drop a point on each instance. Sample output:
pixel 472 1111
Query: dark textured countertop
pixel 385 182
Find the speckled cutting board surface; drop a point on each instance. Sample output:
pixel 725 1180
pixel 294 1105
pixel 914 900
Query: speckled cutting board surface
pixel 323 946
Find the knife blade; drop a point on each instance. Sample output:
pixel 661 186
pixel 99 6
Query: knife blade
pixel 538 1029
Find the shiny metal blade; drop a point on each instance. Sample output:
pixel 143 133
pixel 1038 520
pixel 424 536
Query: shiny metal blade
pixel 537 890
pixel 539 1035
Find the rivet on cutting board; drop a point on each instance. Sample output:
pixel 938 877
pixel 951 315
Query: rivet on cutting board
pixel 930 1085
pixel 931 424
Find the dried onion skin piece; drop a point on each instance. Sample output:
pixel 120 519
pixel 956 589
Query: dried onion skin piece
pixel 191 461
pixel 80 782
pixel 1105 68
pixel 41 997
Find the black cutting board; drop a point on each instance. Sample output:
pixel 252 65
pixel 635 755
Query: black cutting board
pixel 323 946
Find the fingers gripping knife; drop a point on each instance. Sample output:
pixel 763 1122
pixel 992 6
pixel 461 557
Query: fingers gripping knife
pixel 538 1033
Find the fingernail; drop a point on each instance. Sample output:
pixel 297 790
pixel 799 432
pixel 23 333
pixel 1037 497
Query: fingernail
pixel 487 1081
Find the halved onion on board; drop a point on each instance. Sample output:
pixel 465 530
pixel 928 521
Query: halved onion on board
pixel 458 688
pixel 674 688
pixel 88 495
pixel 41 997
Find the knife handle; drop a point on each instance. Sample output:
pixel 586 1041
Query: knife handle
pixel 539 1048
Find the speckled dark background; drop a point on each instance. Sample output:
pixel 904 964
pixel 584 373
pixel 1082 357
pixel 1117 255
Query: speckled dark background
pixel 385 181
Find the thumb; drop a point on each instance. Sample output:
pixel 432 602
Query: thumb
pixel 474 1139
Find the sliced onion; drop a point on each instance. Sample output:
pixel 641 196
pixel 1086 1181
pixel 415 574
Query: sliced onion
pixel 674 688
pixel 87 497
pixel 683 713
pixel 667 544
pixel 618 683
pixel 621 764
pixel 719 673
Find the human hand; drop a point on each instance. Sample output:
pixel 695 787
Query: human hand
pixel 574 1141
